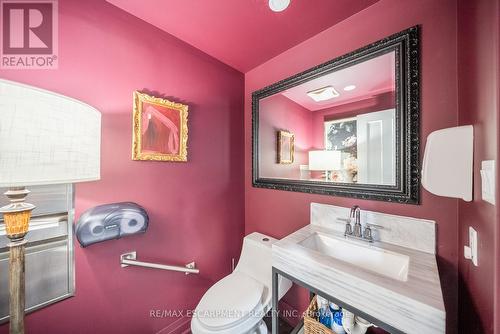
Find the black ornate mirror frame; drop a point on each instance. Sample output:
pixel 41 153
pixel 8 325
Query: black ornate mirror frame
pixel 406 45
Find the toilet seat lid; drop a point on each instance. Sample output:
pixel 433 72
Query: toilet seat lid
pixel 230 301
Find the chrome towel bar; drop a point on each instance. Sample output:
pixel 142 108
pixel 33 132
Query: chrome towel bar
pixel 129 259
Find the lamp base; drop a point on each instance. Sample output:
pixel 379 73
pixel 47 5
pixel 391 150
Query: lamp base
pixel 17 214
pixel 16 217
pixel 16 224
pixel 16 287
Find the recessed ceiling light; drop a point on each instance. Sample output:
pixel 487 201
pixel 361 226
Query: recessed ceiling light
pixel 278 5
pixel 349 88
pixel 323 94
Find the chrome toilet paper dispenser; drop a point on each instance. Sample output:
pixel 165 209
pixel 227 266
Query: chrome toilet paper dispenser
pixel 111 221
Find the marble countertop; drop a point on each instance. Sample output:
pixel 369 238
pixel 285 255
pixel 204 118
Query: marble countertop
pixel 412 306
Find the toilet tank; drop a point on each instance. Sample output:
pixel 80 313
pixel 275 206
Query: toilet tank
pixel 256 260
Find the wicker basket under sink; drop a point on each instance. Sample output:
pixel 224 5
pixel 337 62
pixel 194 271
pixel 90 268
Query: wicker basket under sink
pixel 311 324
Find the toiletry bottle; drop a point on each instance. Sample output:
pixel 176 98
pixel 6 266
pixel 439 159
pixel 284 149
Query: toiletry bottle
pixel 348 321
pixel 320 303
pixel 337 318
pixel 337 322
pixel 334 307
pixel 325 315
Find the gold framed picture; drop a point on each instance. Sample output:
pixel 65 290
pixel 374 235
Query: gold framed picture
pixel 285 147
pixel 160 130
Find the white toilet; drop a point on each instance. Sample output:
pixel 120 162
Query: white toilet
pixel 237 303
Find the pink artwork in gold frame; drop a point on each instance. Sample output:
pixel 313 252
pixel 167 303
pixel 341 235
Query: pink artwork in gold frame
pixel 160 129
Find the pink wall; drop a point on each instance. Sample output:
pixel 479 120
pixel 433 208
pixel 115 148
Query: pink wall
pixel 279 213
pixel 478 96
pixel 277 113
pixel 196 208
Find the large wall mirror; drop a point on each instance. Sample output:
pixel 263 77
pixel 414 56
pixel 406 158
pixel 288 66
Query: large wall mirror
pixel 349 127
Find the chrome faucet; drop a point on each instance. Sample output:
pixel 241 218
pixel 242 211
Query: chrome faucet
pixel 356 214
pixel 357 231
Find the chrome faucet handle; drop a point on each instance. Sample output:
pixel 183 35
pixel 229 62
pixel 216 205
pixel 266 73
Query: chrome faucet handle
pixel 348 227
pixel 376 227
pixel 367 234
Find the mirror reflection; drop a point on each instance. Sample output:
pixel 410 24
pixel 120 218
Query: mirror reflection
pixel 339 127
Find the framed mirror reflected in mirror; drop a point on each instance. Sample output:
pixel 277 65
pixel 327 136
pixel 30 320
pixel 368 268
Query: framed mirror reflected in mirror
pixel 348 127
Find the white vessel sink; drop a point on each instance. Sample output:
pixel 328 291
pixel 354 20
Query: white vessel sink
pixel 366 256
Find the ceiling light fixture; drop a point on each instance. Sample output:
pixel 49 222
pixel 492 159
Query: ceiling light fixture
pixel 349 88
pixel 323 94
pixel 278 5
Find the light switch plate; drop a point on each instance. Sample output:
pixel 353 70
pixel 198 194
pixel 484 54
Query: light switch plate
pixel 470 252
pixel 488 184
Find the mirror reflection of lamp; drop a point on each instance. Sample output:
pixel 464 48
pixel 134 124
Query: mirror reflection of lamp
pixel 326 161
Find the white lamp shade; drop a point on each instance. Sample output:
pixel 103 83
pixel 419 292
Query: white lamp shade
pixel 46 138
pixel 325 160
